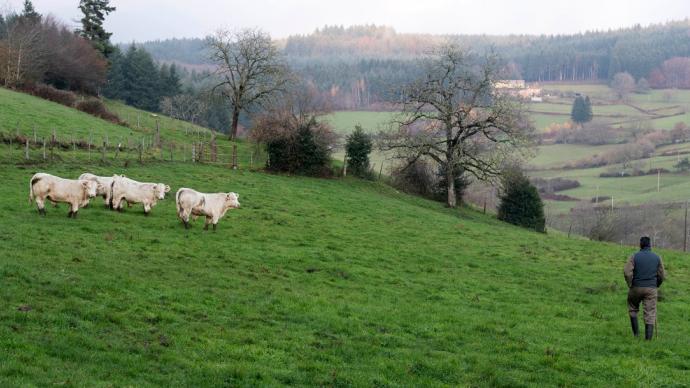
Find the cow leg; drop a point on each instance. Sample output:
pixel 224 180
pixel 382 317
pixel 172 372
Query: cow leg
pixel 214 227
pixel 186 224
pixel 147 209
pixel 41 206
pixel 206 222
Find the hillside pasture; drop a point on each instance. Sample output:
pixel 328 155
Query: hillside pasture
pixel 314 282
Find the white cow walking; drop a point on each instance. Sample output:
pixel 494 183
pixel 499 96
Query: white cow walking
pixel 76 193
pixel 131 191
pixel 212 206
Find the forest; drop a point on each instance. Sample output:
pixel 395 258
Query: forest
pixel 356 65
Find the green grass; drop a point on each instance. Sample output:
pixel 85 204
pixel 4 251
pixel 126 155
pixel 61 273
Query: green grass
pixel 24 112
pixel 551 156
pixel 344 122
pixel 315 282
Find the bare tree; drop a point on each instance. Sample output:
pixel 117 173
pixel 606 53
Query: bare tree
pixel 454 116
pixel 24 53
pixel 623 84
pixel 185 106
pixel 249 68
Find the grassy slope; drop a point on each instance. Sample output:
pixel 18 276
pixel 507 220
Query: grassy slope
pixel 315 282
pixel 27 112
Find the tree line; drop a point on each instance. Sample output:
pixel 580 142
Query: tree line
pixel 357 65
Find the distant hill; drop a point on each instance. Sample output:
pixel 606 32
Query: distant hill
pixel 359 64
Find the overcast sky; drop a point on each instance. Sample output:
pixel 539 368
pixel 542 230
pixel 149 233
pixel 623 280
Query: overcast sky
pixel 159 19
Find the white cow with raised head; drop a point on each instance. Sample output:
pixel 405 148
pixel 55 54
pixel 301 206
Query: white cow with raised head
pixel 131 191
pixel 76 192
pixel 105 188
pixel 212 206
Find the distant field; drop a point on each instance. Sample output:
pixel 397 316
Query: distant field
pixel 555 155
pixel 344 121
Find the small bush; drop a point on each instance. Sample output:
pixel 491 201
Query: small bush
pixel 423 179
pixel 303 150
pixel 96 108
pixel 50 93
pixel 416 178
pixel 520 202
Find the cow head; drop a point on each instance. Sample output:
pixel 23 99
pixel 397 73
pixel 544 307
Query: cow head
pixel 232 200
pixel 160 189
pixel 90 188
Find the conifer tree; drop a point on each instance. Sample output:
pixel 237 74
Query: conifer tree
pixel 358 148
pixel 92 29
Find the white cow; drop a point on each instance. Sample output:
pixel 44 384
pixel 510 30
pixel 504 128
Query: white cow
pixel 105 189
pixel 148 194
pixel 212 206
pixel 76 193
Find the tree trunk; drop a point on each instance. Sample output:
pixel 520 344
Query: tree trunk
pixel 235 122
pixel 450 182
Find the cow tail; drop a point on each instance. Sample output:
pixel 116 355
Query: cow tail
pixel 31 191
pixel 32 182
pixel 112 191
pixel 177 203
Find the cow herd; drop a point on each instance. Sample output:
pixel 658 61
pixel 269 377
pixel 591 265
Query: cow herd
pixel 118 190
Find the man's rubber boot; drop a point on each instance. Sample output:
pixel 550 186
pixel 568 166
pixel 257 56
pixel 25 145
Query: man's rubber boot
pixel 648 331
pixel 635 326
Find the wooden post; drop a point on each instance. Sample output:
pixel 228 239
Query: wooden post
pixel 234 156
pixel 117 151
pixel 158 134
pixel 251 160
pixel 658 180
pixel 193 153
pixel 184 153
pixel 138 121
pixel 380 170
pixel 345 166
pixel 103 152
pixel 26 149
pixel 685 228
pixel 54 138
pixel 107 143
pixel 141 151
pixel 44 148
pixel 89 147
pixel 35 138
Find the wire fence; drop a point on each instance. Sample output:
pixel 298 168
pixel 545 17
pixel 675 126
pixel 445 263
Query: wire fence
pixel 207 148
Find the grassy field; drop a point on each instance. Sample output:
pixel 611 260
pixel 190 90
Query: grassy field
pixel 553 156
pixel 344 122
pixel 314 282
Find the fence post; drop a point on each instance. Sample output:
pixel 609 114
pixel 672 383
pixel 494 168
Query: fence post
pixel 35 138
pixel 138 121
pixel 251 160
pixel 103 152
pixel 184 153
pixel 26 149
pixel 158 134
pixel 380 170
pixel 44 148
pixel 54 139
pixel 234 156
pixel 141 151
pixel 345 166
pixel 193 153
pixel 171 152
pixel 89 147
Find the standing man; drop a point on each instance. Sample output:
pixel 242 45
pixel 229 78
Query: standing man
pixel 644 273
